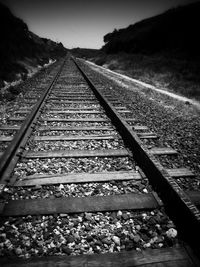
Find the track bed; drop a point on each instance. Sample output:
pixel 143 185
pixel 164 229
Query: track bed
pixel 84 183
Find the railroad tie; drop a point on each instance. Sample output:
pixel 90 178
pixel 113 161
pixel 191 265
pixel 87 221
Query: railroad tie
pixel 180 172
pixel 131 201
pixel 22 112
pixel 78 128
pixel 171 257
pixel 51 109
pixel 42 179
pixel 75 120
pixel 77 153
pixel 9 127
pixel 80 204
pixel 162 151
pixel 72 102
pixel 147 135
pixel 4 138
pixel 139 127
pixel 20 118
pixel 75 112
pixel 73 138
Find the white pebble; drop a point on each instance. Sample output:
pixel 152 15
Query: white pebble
pixel 144 216
pixel 116 239
pixel 56 232
pixel 118 225
pixel 158 226
pixel 147 245
pixel 145 190
pixel 52 245
pixel 61 187
pixel 119 213
pixel 171 233
pixel 80 219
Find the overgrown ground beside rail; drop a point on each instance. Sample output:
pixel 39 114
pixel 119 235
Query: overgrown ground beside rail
pixel 163 71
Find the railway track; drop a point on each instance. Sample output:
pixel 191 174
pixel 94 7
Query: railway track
pixel 79 188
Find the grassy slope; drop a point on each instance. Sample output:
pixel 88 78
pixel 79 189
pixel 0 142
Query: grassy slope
pixel 178 76
pixel 162 50
pixel 20 47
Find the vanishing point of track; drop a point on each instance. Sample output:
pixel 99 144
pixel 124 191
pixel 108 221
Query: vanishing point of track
pixel 84 124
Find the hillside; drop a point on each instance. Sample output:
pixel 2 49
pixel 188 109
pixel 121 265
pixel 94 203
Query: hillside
pixel 20 49
pixel 86 52
pixel 174 32
pixel 162 51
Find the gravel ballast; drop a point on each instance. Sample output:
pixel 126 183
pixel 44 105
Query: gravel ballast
pixel 91 232
pixel 75 124
pixel 73 145
pixel 74 116
pixel 77 190
pixel 72 165
pixel 76 133
pixel 85 233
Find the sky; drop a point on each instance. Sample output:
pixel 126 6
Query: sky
pixel 83 23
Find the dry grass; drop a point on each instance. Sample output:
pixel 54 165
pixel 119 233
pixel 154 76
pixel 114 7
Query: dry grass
pixel 167 73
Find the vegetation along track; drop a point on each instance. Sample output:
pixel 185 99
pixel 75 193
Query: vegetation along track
pixel 78 187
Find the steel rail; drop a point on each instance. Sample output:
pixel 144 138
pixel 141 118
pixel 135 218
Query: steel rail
pixel 12 153
pixel 177 204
